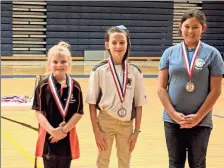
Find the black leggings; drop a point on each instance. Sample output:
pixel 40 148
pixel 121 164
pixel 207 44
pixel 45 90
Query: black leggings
pixel 56 163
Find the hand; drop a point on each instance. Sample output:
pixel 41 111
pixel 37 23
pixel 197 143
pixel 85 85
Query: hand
pixel 178 117
pixel 100 140
pixel 57 135
pixel 62 124
pixel 132 141
pixel 55 140
pixel 191 121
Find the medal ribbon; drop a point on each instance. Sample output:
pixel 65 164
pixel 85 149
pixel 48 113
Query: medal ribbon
pixel 121 89
pixel 63 109
pixel 190 68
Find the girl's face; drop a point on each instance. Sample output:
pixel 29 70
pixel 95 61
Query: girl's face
pixel 117 45
pixel 59 64
pixel 191 31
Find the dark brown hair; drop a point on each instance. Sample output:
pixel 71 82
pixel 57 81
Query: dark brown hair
pixel 119 29
pixel 198 14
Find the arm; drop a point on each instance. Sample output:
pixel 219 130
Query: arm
pixel 215 92
pixel 216 69
pixel 76 116
pixel 133 138
pixel 93 93
pixel 164 98
pixel 99 136
pixel 39 105
pixel 139 100
pixel 93 117
pixel 138 118
pixel 71 123
pixel 55 132
pixel 44 122
pixel 162 91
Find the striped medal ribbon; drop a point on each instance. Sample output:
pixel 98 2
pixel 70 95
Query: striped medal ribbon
pixel 63 109
pixel 120 86
pixel 190 86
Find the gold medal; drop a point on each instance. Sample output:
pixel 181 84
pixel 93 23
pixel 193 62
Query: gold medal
pixel 190 87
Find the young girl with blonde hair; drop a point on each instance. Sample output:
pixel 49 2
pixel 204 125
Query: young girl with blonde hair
pixel 59 106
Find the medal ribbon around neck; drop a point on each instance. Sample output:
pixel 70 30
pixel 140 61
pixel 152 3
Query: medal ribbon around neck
pixel 121 89
pixel 190 68
pixel 63 109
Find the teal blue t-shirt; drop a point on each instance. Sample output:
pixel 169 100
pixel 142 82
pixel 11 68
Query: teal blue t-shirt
pixel 209 62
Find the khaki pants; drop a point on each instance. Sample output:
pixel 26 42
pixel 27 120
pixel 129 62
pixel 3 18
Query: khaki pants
pixel 122 131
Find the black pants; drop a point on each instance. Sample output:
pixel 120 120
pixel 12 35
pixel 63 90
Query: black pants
pixel 56 162
pixel 180 141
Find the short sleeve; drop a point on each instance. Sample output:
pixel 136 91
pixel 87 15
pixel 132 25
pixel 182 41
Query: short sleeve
pixel 217 64
pixel 39 101
pixel 80 99
pixel 93 88
pixel 140 97
pixel 164 60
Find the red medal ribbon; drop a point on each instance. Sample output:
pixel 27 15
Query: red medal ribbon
pixel 121 89
pixel 190 68
pixel 63 110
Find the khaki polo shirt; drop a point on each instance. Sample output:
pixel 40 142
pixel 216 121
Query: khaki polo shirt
pixel 102 90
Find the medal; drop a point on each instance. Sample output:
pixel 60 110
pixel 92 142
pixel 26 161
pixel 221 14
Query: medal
pixel 190 86
pixel 121 87
pixel 122 112
pixel 63 109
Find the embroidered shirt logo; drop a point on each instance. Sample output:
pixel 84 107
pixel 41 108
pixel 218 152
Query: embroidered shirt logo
pixel 199 63
pixel 72 99
pixel 129 83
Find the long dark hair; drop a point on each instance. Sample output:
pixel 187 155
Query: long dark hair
pixel 119 29
pixel 198 14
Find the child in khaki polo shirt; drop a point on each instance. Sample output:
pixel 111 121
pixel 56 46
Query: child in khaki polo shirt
pixel 116 88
